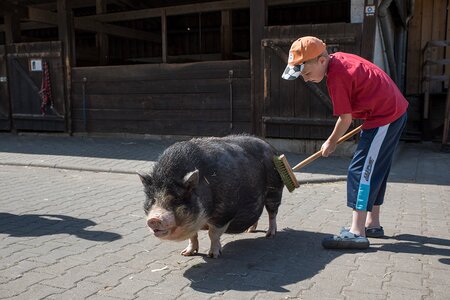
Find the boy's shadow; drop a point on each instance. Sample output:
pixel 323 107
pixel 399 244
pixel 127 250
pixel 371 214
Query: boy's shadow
pixel 416 244
pixel 40 225
pixel 250 264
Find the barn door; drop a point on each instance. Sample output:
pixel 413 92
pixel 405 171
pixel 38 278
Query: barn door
pixel 5 123
pixel 296 109
pixel 30 109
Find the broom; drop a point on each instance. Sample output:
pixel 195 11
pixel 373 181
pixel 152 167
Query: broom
pixel 287 173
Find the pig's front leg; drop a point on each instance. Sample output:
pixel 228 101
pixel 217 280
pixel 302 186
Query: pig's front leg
pixel 214 235
pixel 192 247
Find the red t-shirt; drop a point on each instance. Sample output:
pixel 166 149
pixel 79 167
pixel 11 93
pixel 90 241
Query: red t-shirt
pixel 359 87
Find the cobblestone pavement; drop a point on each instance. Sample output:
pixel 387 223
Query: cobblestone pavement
pixel 69 234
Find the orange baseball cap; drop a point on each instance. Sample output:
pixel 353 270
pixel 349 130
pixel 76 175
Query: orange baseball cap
pixel 303 49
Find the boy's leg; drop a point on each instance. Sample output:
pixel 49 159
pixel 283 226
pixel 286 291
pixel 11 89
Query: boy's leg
pixel 373 217
pixel 358 222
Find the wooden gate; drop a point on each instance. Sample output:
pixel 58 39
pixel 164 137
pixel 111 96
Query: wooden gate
pixel 296 109
pixel 25 73
pixel 5 122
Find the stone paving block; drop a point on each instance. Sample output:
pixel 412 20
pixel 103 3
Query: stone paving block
pixel 396 292
pixel 350 293
pixel 82 290
pixel 438 276
pixel 411 265
pixel 405 280
pixel 438 292
pixel 17 270
pixel 126 289
pixel 7 294
pixel 188 294
pixel 24 282
pixel 110 276
pixel 366 283
pixel 37 291
pixel 70 278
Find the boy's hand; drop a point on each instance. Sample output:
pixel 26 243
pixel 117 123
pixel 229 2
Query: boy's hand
pixel 328 147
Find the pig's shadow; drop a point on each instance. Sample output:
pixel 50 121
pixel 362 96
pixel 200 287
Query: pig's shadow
pixel 259 263
pixel 33 225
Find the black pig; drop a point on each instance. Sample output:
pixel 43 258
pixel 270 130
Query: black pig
pixel 219 184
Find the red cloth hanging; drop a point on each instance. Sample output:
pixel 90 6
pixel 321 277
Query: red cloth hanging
pixel 46 89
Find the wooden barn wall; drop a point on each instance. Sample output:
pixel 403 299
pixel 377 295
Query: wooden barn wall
pixel 163 99
pixel 429 22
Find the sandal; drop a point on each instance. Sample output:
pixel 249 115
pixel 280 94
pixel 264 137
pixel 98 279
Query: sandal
pixel 375 232
pixel 345 240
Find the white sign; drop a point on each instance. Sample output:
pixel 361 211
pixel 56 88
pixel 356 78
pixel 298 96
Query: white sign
pixel 36 65
pixel 370 10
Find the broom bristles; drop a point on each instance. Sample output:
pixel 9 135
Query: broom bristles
pixel 286 173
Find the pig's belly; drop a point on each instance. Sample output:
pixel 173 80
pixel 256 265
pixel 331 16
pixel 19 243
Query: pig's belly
pixel 243 220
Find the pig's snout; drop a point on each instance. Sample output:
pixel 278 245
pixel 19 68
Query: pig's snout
pixel 154 223
pixel 161 223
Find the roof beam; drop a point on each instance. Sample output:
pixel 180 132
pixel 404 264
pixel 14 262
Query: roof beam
pixel 51 18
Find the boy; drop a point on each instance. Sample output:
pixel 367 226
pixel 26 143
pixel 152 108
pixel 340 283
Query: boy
pixel 359 90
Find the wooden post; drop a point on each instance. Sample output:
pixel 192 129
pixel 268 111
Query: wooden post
pixel 226 34
pixel 12 30
pixel 164 35
pixel 102 38
pixel 67 36
pixel 258 19
pixel 369 29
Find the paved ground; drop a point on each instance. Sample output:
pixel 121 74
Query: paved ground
pixel 72 227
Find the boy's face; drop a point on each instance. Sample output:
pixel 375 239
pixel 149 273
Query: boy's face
pixel 315 69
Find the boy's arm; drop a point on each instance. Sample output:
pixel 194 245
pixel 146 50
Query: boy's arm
pixel 341 127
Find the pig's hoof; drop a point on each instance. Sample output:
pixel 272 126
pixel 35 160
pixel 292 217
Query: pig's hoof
pixel 189 251
pixel 270 233
pixel 214 254
pixel 252 228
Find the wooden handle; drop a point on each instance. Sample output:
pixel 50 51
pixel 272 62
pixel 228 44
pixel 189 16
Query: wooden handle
pixel 319 153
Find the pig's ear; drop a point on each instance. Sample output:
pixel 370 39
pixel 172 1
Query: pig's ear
pixel 190 180
pixel 145 178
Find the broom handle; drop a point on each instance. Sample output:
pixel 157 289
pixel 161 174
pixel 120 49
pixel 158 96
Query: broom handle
pixel 319 153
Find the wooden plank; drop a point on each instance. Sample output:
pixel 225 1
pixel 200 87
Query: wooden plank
pixel 67 37
pixel 12 29
pixel 221 115
pixel 102 38
pixel 170 11
pixel 447 49
pixel 414 69
pixel 164 35
pixel 5 120
pixel 258 19
pixel 157 87
pixel 194 101
pixel 199 70
pixel 226 34
pixel 369 29
pixel 168 127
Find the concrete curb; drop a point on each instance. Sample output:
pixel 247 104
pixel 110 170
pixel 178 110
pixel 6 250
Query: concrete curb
pixel 122 171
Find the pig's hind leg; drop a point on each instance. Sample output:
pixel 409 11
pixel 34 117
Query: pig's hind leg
pixel 192 247
pixel 273 200
pixel 253 227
